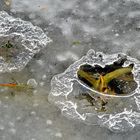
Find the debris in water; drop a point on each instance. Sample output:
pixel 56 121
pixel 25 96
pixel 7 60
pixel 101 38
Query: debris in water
pixel 17 86
pixel 77 42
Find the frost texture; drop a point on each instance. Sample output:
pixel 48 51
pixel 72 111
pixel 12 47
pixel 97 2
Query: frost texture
pixel 29 40
pixel 126 112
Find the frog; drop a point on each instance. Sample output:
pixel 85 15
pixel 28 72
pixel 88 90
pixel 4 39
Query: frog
pixel 109 80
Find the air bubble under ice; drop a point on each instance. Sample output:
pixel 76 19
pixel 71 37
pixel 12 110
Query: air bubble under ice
pixel 123 112
pixel 27 40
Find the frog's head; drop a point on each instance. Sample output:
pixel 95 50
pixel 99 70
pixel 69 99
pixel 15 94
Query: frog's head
pixel 90 76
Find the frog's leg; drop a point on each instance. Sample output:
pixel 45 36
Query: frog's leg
pixel 103 87
pixel 117 73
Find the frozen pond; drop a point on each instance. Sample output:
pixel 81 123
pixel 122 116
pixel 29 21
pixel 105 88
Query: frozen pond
pixel 75 27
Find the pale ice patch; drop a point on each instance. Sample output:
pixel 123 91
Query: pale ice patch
pixel 123 114
pixel 27 40
pixel 67 55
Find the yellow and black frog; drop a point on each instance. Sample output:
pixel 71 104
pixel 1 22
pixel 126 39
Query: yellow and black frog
pixel 112 79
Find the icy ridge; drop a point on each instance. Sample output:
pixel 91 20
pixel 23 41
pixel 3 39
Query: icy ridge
pixel 31 39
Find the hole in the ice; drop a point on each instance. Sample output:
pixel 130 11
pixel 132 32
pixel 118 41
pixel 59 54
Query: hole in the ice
pixel 113 98
pixel 113 79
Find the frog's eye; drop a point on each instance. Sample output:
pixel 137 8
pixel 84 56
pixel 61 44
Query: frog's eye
pixel 96 76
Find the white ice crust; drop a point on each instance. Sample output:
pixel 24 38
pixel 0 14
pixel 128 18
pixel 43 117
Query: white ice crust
pixel 62 86
pixel 31 39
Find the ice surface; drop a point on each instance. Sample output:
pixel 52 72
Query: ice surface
pixel 27 40
pixel 123 114
pixel 95 24
pixel 109 26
